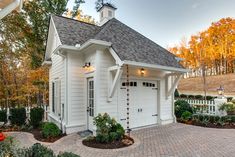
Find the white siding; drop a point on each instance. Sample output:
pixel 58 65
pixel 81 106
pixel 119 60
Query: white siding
pixel 76 88
pixel 104 60
pixel 166 104
pixel 57 69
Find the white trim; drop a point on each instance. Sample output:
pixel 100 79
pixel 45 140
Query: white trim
pixel 9 8
pixel 155 66
pixel 113 68
pixel 173 86
pixel 60 48
pixel 115 56
pixel 114 82
pixel 46 63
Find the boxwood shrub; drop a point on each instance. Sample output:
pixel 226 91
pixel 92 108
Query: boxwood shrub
pixel 199 97
pixel 191 96
pixel 183 96
pixel 213 118
pixel 36 116
pixel 39 150
pixel 181 106
pixel 68 154
pixel 50 129
pixel 176 93
pixel 18 116
pixel 3 116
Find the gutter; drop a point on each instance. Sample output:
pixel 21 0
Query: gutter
pixel 90 42
pixel 59 50
pixel 9 8
pixel 161 67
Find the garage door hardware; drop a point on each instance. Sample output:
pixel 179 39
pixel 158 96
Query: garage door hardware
pixel 123 119
pixel 155 115
pixel 140 109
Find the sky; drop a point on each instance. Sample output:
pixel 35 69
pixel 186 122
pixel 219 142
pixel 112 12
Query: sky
pixel 166 22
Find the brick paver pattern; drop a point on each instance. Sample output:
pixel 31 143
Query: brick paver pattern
pixel 173 140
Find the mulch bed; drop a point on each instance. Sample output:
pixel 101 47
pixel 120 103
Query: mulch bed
pixel 38 136
pixel 125 142
pixel 209 125
pixel 36 133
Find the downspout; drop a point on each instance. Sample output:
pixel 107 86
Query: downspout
pixel 9 8
pixel 173 105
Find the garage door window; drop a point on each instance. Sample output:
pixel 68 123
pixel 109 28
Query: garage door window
pixel 148 84
pixel 132 84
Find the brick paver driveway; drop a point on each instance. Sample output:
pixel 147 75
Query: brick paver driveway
pixel 170 140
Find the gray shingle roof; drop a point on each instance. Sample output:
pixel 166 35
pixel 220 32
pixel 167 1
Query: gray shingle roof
pixel 126 42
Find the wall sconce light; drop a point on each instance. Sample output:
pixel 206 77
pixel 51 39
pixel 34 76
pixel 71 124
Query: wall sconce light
pixel 142 71
pixel 86 65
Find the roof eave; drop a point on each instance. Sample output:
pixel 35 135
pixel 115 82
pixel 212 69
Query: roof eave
pixel 155 66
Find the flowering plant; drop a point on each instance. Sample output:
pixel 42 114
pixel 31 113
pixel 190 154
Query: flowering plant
pixel 2 136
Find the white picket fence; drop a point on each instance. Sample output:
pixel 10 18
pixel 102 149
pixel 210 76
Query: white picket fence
pixel 28 109
pixel 203 106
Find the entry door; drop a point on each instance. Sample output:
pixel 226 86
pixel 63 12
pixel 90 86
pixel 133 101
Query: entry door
pixel 90 103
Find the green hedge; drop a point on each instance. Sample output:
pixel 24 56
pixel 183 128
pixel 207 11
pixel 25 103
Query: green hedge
pixel 50 129
pixel 18 116
pixel 3 116
pixel 214 119
pixel 181 106
pixel 176 93
pixel 36 116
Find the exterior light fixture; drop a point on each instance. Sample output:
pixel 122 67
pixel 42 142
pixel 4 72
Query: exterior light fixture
pixel 220 91
pixel 86 65
pixel 142 71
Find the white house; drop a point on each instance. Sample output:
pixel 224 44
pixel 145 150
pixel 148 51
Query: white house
pixel 92 66
pixel 7 6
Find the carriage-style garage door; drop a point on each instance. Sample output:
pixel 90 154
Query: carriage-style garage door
pixel 143 103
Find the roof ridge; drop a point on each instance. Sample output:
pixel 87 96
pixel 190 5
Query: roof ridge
pixel 60 16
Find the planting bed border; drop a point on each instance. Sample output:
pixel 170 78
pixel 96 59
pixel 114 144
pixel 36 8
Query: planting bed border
pixel 92 143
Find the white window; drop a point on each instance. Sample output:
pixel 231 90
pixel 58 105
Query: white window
pixel 102 14
pixel 110 13
pixel 56 97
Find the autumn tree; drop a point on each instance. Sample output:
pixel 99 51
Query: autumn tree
pixel 23 81
pixel 212 50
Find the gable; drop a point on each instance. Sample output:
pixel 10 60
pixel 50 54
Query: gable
pixel 53 40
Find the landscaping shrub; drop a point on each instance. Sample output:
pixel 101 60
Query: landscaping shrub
pixel 108 130
pixel 18 116
pixel 229 99
pixel 39 150
pixel 3 116
pixel 186 116
pixel 209 97
pixel 181 106
pixel 183 96
pixel 176 93
pixel 36 116
pixel 191 96
pixel 50 129
pixel 199 97
pixel 228 107
pixel 68 154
